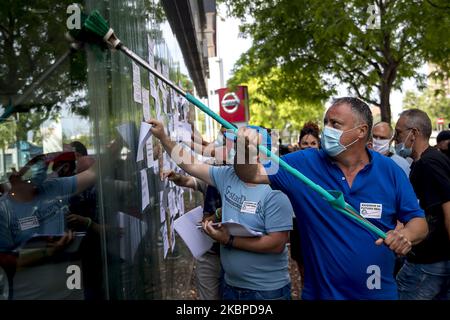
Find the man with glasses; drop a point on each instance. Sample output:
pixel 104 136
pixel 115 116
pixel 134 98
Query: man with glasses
pixel 426 274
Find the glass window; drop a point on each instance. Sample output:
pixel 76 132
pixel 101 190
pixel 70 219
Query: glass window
pixel 73 222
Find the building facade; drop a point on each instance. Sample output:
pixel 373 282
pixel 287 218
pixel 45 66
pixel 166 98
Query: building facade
pixel 64 111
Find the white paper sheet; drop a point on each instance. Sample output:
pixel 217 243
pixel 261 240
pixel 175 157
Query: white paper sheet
pixel 156 166
pixel 146 104
pixel 153 91
pixel 165 239
pixel 151 54
pixel 181 206
pixel 172 203
pixel 133 231
pixel 164 100
pixel 172 234
pixel 158 108
pixel 165 70
pixel 162 207
pixel 144 135
pixel 144 189
pixel 196 240
pixel 166 162
pixel 158 68
pixel 126 131
pixel 184 132
pixel 149 152
pixel 137 91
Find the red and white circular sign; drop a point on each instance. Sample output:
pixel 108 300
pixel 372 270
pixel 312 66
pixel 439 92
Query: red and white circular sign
pixel 230 102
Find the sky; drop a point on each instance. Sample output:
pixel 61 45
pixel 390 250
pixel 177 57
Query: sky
pixel 230 46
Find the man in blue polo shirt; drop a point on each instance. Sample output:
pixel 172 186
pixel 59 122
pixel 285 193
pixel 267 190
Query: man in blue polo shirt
pixel 343 260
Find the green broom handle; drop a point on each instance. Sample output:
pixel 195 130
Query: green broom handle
pixel 321 191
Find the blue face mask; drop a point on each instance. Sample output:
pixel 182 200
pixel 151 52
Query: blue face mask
pixel 401 150
pixel 38 173
pixel 331 141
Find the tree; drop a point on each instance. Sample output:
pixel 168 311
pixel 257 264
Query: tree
pixel 31 40
pixel 433 102
pixel 271 106
pixel 319 40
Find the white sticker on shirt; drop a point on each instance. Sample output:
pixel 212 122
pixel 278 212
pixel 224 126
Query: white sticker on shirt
pixel 371 210
pixel 28 223
pixel 249 207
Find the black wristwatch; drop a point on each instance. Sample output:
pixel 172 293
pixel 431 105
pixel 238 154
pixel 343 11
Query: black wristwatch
pixel 229 244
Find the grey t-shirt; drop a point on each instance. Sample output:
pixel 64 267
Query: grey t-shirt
pixel 261 209
pixel 45 214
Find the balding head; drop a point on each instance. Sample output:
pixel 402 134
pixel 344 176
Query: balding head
pixel 382 130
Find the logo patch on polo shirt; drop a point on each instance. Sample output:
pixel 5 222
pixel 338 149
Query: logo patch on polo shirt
pixel 371 210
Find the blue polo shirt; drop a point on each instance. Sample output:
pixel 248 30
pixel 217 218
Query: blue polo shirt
pixel 340 256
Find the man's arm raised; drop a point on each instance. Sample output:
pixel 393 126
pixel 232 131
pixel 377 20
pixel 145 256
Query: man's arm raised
pixel 183 158
pixel 246 165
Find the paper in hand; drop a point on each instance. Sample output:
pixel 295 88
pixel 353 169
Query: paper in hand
pixel 196 240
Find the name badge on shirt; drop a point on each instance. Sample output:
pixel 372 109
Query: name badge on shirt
pixel 249 207
pixel 28 223
pixel 371 210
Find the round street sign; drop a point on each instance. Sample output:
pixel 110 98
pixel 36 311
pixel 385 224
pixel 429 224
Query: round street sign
pixel 230 102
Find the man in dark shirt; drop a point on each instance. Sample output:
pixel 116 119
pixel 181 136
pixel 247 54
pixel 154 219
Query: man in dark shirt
pixel 443 142
pixel 426 274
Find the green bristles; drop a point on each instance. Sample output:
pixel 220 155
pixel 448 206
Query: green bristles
pixel 97 24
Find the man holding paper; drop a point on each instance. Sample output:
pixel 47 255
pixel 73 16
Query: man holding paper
pixel 256 268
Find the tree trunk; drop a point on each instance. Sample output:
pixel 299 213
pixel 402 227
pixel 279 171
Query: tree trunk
pixel 385 106
pixel 387 80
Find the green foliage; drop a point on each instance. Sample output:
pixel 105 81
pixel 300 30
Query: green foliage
pixel 7 135
pixel 310 41
pixel 272 106
pixel 31 40
pixel 433 102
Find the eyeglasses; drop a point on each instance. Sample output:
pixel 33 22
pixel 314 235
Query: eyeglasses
pixel 397 134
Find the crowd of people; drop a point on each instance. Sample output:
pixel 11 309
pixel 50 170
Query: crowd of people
pixel 391 176
pixel 394 177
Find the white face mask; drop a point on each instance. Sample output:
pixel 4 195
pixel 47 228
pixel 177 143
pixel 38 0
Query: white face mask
pixel 381 145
